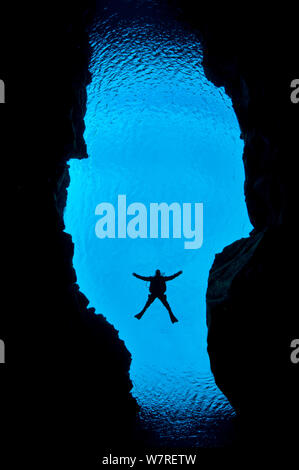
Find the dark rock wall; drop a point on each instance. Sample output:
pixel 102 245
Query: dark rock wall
pixel 67 387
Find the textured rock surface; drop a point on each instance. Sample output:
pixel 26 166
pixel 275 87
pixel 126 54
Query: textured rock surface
pixel 68 386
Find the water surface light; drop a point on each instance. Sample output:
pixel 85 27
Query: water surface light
pixel 158 131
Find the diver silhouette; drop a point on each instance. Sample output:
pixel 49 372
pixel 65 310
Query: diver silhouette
pixel 157 290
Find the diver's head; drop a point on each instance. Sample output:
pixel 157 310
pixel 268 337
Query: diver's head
pixel 158 272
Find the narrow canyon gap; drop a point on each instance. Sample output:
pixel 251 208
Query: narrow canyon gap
pixel 158 131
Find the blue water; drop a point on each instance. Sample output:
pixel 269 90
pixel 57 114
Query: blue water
pixel 158 131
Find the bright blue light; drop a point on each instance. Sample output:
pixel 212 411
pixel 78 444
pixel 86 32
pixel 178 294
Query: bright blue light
pixel 158 131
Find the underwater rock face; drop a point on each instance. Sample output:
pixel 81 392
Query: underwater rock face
pixel 251 323
pixel 224 317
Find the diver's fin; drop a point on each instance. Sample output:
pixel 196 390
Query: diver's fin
pixel 139 315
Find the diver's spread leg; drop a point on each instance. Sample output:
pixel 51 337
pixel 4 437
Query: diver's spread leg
pixel 166 304
pixel 150 300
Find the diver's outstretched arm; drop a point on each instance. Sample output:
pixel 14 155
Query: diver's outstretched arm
pixel 143 278
pixel 169 278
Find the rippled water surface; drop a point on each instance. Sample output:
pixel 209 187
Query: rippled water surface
pixel 158 131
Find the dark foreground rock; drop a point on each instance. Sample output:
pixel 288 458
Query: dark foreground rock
pixel 251 322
